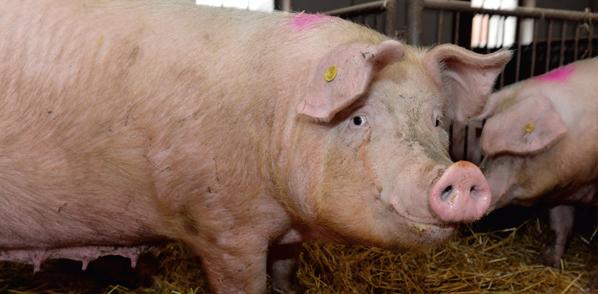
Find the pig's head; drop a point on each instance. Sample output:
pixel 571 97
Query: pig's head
pixel 369 150
pixel 522 134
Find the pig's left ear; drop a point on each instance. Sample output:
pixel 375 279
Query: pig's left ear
pixel 344 74
pixel 527 127
pixel 465 77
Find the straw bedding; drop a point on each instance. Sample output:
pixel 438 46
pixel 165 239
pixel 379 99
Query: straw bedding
pixel 497 256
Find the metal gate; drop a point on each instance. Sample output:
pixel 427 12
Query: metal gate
pixel 558 37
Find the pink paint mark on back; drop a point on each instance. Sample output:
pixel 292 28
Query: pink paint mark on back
pixel 303 21
pixel 558 75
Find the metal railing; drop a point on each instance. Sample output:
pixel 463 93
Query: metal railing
pixel 378 15
pixel 558 36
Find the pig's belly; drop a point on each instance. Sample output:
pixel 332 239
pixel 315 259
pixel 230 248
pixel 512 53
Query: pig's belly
pixel 26 228
pixel 76 228
pixel 59 203
pixel 84 237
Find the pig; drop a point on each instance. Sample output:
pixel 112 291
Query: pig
pixel 125 123
pixel 540 145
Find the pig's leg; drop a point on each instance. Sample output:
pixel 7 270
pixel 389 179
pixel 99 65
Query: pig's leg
pixel 284 276
pixel 235 267
pixel 283 257
pixel 561 222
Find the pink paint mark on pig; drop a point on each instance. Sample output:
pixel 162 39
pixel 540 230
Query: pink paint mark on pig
pixel 558 75
pixel 303 21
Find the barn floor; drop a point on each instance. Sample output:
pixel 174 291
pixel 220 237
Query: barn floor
pixel 488 257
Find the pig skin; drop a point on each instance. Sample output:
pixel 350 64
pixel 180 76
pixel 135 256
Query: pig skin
pixel 124 123
pixel 559 173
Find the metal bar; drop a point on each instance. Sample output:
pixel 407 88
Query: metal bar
pixel 390 21
pixel 374 6
pixel 518 69
pixel 576 50
pixel 457 20
pixel 548 45
pixel 374 21
pixel 439 27
pixel 528 12
pixel 534 45
pixel 590 40
pixel 286 5
pixel 415 12
pixel 563 35
pixel 370 21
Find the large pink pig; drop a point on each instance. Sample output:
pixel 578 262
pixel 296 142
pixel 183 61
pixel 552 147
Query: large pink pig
pixel 541 144
pixel 125 122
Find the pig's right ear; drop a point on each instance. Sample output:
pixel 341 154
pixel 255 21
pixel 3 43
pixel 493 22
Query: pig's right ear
pixel 465 77
pixel 527 127
pixel 344 74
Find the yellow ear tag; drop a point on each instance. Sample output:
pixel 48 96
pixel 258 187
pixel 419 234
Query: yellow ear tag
pixel 529 127
pixel 330 74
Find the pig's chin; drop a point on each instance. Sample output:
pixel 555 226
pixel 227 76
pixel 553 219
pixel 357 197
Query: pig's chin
pixel 425 235
pixel 429 219
pixel 439 231
pixel 424 230
pixel 428 229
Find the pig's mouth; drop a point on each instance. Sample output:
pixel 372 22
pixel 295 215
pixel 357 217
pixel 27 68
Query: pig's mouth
pixel 423 224
pixel 430 223
pixel 430 231
pixel 415 220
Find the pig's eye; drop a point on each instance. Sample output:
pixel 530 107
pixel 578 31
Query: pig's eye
pixel 358 121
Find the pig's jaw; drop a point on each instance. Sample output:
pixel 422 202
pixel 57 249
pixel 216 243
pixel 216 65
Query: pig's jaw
pixel 421 226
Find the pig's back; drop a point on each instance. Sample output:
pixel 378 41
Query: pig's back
pixel 71 166
pixel 85 94
pixel 574 94
pixel 109 109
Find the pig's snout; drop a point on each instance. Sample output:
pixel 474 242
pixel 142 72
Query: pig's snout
pixel 461 194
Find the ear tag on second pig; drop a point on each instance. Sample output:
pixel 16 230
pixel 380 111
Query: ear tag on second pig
pixel 529 128
pixel 330 74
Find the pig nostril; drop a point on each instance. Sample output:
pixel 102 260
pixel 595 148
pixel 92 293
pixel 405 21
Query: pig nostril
pixel 472 189
pixel 446 193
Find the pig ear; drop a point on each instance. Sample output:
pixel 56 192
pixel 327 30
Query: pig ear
pixel 465 76
pixel 344 74
pixel 529 126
